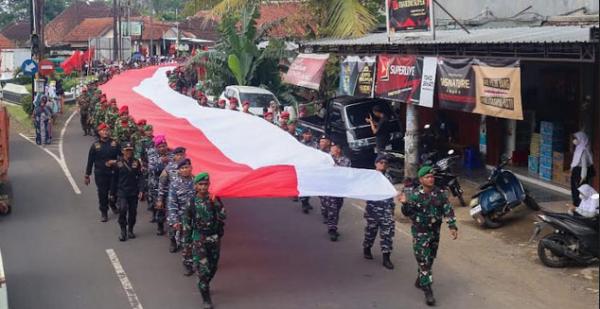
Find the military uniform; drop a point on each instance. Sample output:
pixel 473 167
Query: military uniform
pixel 101 152
pixel 155 168
pixel 304 200
pixel 426 211
pixel 84 109
pixel 333 205
pixel 124 130
pixel 181 192
pixel 128 183
pixel 380 218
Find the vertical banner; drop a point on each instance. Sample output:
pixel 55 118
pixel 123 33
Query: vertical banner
pixel 408 15
pixel 456 84
pixel 399 78
pixel 498 85
pixel 357 76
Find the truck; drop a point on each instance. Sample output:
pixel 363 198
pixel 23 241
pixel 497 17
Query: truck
pixel 343 119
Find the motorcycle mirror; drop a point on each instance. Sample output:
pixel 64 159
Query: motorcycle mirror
pixel 427 126
pixel 450 152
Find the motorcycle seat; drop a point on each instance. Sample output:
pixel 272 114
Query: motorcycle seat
pixel 589 222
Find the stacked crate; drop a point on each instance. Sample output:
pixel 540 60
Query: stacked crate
pixel 533 161
pixel 551 141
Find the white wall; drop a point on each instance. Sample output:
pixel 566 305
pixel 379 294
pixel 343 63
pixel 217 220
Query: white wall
pixel 466 9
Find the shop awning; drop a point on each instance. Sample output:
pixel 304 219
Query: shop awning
pixel 307 70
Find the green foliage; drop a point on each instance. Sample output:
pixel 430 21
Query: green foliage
pixel 27 104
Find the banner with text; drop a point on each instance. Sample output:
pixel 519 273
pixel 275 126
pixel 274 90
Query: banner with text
pixel 489 88
pixel 406 79
pixel 408 15
pixel 357 76
pixel 307 70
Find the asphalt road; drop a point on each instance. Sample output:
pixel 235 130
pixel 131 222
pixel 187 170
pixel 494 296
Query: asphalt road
pixel 273 256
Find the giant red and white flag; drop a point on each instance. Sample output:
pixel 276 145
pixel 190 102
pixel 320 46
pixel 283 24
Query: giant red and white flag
pixel 245 155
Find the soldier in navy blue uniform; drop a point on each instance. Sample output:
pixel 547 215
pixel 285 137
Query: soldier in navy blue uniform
pixel 102 156
pixel 128 182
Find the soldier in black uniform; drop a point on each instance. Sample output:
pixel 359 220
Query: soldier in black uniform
pixel 103 154
pixel 128 183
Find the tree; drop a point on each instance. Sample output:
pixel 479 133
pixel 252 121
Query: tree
pixel 338 18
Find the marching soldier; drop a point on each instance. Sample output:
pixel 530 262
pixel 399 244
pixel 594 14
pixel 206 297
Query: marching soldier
pixel 128 182
pixel 181 192
pixel 203 220
pixel 125 127
pixel 102 155
pixel 333 205
pixel 426 206
pixel 84 107
pixel 380 218
pixel 158 158
pixel 167 177
pixel 307 140
pixel 324 146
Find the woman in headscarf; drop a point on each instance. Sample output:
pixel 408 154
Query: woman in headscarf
pixel 41 121
pixel 582 166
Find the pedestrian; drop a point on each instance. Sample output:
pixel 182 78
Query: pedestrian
pixel 582 165
pixel 181 192
pixel 426 206
pixel 307 140
pixel 101 157
pixel 158 158
pixel 165 186
pixel 380 218
pixel 333 204
pixel 128 183
pixel 324 146
pixel 84 107
pixel 379 127
pixel 246 107
pixel 204 219
pixel 41 120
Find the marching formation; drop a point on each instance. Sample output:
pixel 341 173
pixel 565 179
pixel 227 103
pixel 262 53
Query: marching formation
pixel 131 164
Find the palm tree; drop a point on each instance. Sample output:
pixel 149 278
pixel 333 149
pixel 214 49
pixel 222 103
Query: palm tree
pixel 337 18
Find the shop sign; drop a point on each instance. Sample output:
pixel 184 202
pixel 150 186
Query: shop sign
pixel 408 15
pixel 307 70
pixel 357 76
pixel 408 79
pixel 490 88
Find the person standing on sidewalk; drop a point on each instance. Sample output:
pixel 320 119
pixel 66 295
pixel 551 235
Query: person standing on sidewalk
pixel 101 157
pixel 426 206
pixel 204 221
pixel 128 182
pixel 380 217
pixel 582 165
pixel 334 204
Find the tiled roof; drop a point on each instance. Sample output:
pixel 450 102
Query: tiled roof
pixel 57 29
pixel 89 28
pixel 5 42
pixel 18 32
pixel 201 29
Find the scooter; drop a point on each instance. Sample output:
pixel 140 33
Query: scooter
pixel 573 241
pixel 445 179
pixel 498 196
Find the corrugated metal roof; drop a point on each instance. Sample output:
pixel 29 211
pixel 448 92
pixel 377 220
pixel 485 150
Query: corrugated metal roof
pixel 567 34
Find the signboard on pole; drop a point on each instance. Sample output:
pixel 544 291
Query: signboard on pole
pixel 46 67
pixel 135 26
pixel 408 15
pixel 29 67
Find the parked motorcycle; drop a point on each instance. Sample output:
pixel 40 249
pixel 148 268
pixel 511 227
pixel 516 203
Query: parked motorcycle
pixel 502 192
pixel 395 165
pixel 445 179
pixel 573 241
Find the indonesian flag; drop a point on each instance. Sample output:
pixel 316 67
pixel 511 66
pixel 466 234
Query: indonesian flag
pixel 244 155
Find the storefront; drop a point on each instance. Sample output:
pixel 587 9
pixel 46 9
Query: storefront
pixel 558 91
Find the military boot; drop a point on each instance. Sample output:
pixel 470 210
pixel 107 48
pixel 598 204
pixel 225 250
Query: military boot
pixel 173 246
pixel 207 302
pixel 305 206
pixel 333 235
pixel 103 217
pixel 188 270
pixel 161 229
pixel 367 253
pixel 386 261
pixel 418 284
pixel 123 236
pixel 130 233
pixel 429 299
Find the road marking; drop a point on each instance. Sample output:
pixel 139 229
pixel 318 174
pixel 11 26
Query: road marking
pixel 133 299
pixel 60 160
pixel 395 224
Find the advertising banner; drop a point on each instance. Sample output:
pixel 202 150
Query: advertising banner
pixel 307 70
pixel 399 78
pixel 489 88
pixel 408 15
pixel 357 76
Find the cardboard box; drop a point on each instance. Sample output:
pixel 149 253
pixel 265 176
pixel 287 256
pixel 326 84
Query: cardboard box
pixel 546 161
pixel 533 164
pixel 546 173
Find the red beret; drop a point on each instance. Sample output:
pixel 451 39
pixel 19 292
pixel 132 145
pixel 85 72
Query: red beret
pixel 124 109
pixel 141 122
pixel 268 114
pixel 285 115
pixel 104 95
pixel 102 126
pixel 246 102
pixel 103 100
pixel 221 101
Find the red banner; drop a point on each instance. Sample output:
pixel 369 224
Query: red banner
pixel 307 70
pixel 398 78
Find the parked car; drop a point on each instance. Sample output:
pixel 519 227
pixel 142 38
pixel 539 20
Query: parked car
pixel 343 119
pixel 259 99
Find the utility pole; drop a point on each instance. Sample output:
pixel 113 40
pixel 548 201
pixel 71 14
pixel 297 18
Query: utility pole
pixel 411 142
pixel 115 32
pixel 177 38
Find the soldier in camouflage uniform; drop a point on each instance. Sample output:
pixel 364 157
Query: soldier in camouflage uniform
pixel 83 102
pixel 334 204
pixel 165 181
pixel 158 158
pixel 181 192
pixel 112 114
pixel 203 221
pixel 307 140
pixel 426 206
pixel 143 142
pixel 100 112
pixel 125 127
pixel 380 217
pixel 324 146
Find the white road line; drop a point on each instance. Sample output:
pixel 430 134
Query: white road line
pixel 396 224
pixel 133 299
pixel 60 160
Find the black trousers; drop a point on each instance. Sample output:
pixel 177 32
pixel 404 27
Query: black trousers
pixel 127 210
pixel 103 185
pixel 576 182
